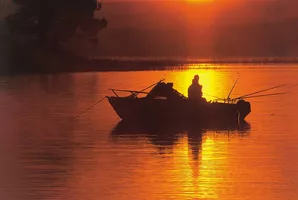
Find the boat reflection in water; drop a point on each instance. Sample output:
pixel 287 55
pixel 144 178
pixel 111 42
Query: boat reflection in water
pixel 184 161
pixel 166 135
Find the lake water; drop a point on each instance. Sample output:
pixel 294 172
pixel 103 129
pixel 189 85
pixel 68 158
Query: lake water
pixel 46 154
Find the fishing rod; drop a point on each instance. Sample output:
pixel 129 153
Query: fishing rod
pixel 254 96
pixel 228 98
pixel 151 85
pixel 264 95
pixel 142 91
pixel 241 97
pixel 132 91
pixel 135 92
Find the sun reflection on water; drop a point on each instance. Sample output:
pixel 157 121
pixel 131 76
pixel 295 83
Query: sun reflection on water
pixel 200 174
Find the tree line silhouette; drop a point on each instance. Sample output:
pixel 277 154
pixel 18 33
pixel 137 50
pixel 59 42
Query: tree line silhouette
pixel 52 22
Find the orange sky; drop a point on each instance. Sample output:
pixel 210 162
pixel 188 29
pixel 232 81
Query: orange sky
pixel 195 29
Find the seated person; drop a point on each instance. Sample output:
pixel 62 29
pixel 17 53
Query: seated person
pixel 195 90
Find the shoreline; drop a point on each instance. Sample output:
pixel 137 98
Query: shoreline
pixel 32 60
pixel 108 65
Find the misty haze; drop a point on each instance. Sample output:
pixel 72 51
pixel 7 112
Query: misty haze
pixel 192 29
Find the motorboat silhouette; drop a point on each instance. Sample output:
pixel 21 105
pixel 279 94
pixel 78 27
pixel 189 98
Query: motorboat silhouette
pixel 164 103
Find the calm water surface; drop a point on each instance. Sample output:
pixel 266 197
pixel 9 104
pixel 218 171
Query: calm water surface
pixel 45 154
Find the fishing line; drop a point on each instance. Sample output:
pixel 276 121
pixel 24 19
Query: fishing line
pixel 89 108
pixel 293 85
pixel 137 92
pixel 212 95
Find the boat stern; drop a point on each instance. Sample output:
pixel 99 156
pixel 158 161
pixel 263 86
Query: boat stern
pixel 243 109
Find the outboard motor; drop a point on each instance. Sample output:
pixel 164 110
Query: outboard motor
pixel 243 109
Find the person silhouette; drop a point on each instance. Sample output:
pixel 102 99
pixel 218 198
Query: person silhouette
pixel 195 90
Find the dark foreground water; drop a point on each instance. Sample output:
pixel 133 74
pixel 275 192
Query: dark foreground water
pixel 45 154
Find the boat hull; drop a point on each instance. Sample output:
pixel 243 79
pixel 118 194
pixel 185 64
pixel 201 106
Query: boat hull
pixel 146 109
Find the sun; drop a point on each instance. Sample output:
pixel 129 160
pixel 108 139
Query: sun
pixel 199 1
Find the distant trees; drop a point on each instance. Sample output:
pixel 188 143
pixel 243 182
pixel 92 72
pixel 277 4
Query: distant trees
pixel 55 21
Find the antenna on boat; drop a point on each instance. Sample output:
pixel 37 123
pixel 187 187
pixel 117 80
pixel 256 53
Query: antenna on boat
pixel 232 89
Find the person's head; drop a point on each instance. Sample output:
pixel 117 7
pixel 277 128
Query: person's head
pixel 196 78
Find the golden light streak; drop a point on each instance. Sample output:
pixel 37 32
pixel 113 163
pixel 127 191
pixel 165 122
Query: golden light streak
pixel 200 177
pixel 215 84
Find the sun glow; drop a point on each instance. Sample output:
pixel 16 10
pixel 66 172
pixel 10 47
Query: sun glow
pixel 199 1
pixel 215 84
